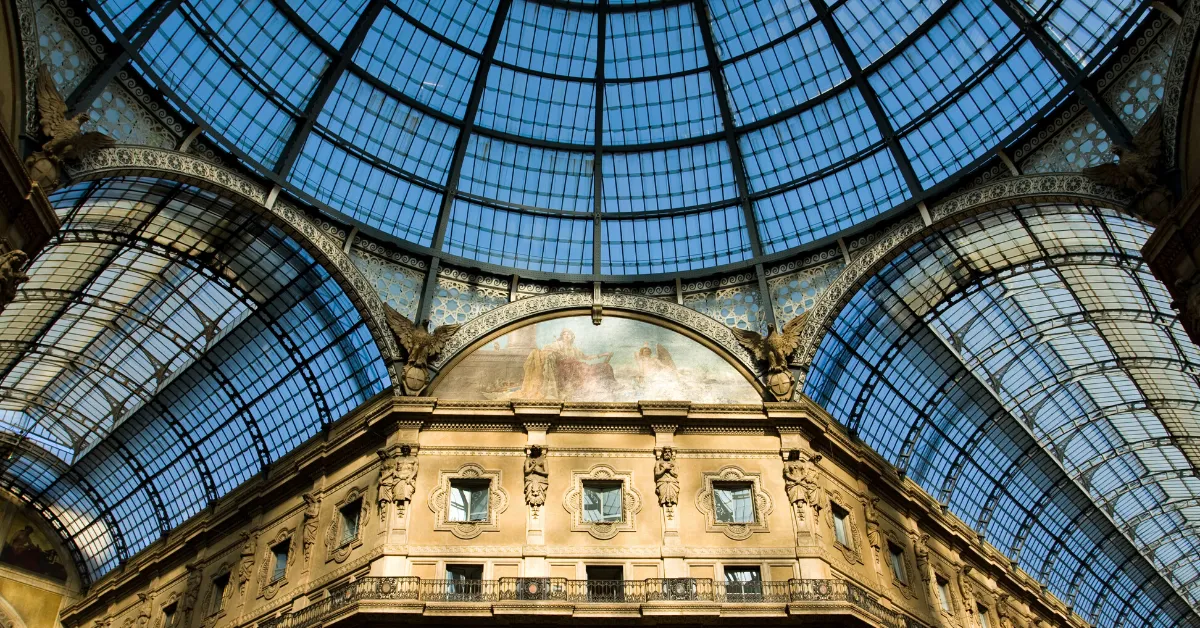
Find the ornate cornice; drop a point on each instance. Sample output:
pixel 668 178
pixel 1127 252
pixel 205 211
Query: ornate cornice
pixel 176 166
pixel 1042 188
pixel 1177 74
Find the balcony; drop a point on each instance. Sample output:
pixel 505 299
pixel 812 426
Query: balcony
pixel 367 599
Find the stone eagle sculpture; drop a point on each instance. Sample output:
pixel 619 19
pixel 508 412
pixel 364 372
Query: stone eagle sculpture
pixel 775 352
pixel 420 346
pixel 1138 170
pixel 67 139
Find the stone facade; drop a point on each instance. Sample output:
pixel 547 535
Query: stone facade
pixel 372 561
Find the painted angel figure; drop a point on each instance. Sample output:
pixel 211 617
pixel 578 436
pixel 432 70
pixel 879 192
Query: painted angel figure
pixel 420 347
pixel 656 367
pixel 67 139
pixel 775 352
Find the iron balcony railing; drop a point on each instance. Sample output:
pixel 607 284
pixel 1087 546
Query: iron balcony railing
pixel 589 591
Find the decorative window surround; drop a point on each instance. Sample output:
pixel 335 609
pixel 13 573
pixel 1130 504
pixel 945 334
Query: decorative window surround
pixel 853 552
pixel 439 501
pixel 762 503
pixel 336 550
pixel 631 502
pixel 272 586
pixel 213 613
pixel 900 542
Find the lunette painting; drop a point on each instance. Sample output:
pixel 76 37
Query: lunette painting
pixel 27 548
pixel 570 359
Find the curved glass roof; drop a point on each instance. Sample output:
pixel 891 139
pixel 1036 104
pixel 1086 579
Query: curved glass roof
pixel 168 346
pixel 1027 370
pixel 607 137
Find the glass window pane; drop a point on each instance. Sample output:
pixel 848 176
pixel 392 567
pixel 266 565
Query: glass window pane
pixel 602 503
pixel 350 514
pixel 733 503
pixel 281 558
pixel 468 501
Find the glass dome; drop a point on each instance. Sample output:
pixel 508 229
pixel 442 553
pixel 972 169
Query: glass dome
pixel 614 138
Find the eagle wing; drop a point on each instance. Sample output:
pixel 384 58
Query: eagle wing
pixel 1107 174
pixel 403 328
pixel 664 357
pixel 438 339
pixel 51 106
pixel 87 142
pixel 789 338
pixel 1148 140
pixel 752 341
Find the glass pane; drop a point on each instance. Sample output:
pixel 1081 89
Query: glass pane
pixel 479 504
pixel 602 503
pixel 839 527
pixel 350 522
pixel 733 504
pixel 281 557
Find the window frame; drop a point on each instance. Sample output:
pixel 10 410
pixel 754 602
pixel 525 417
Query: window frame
pixel 218 592
pixel 842 533
pixel 897 564
pixel 355 507
pixel 471 488
pixel 726 485
pixel 610 487
pixel 945 601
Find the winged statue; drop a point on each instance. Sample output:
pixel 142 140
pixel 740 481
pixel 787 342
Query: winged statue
pixel 11 275
pixel 1137 170
pixel 775 351
pixel 67 140
pixel 420 346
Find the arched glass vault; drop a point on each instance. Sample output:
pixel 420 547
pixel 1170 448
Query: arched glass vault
pixel 169 345
pixel 1026 369
pixel 617 138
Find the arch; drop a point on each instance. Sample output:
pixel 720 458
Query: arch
pixel 1175 80
pixel 176 166
pixel 1040 188
pixel 475 330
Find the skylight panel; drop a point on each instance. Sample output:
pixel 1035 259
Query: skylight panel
pixel 645 44
pixel 274 50
pixel 874 28
pixel 528 176
pixel 739 27
pixel 996 106
pixel 520 240
pixel 1082 28
pixel 464 21
pixel 124 12
pixel 417 64
pixel 827 205
pixel 680 107
pixel 332 19
pixel 674 178
pixel 833 131
pixel 549 39
pixel 382 126
pixel 372 195
pixel 784 75
pixel 219 94
pixel 674 243
pixel 538 108
pixel 959 46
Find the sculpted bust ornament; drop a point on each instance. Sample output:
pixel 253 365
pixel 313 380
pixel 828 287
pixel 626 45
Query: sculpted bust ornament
pixel 775 353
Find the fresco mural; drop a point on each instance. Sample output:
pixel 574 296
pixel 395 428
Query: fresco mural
pixel 570 359
pixel 28 549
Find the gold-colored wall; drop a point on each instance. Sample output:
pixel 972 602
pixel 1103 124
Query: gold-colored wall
pixel 492 439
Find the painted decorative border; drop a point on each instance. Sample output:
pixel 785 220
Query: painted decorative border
pixel 477 328
pixel 1177 73
pixel 154 162
pixel 1073 188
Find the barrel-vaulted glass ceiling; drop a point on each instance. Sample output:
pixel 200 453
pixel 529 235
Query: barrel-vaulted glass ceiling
pixel 610 137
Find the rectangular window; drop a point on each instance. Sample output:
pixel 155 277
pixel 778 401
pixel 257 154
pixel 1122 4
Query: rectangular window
pixel 733 502
pixel 281 560
pixel 841 526
pixel 896 560
pixel 742 583
pixel 984 622
pixel 350 513
pixel 605 583
pixel 602 502
pixel 469 500
pixel 169 615
pixel 464 582
pixel 219 584
pixel 943 588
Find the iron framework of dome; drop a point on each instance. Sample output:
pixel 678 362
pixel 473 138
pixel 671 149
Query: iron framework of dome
pixel 608 138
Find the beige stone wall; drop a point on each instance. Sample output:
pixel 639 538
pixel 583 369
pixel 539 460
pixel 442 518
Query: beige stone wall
pixel 746 441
